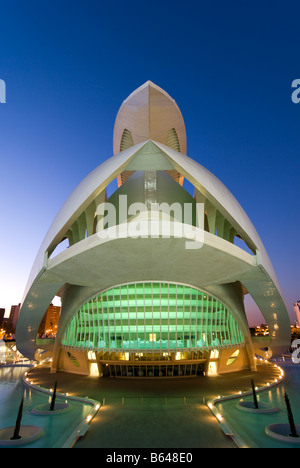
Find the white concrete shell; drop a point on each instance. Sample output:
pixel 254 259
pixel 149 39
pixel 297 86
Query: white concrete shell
pixel 224 262
pixel 149 113
pixel 218 267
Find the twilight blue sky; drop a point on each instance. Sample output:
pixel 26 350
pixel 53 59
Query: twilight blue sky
pixel 69 64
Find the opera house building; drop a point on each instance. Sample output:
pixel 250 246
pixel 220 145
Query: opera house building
pixel 153 277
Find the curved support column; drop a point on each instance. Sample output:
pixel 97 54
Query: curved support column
pixel 232 297
pixel 72 299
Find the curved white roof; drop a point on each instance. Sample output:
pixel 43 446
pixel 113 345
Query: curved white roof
pixel 149 113
pixel 206 182
pixel 149 131
pixel 45 280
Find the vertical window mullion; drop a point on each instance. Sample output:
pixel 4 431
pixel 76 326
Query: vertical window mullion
pixel 219 312
pixel 121 316
pixel 191 308
pixel 214 317
pixel 183 313
pixel 168 316
pixel 100 319
pixel 152 306
pixel 136 317
pixel 145 322
pixel 128 318
pixel 176 337
pixel 83 314
pixel 114 315
pixel 160 319
pixel 107 319
pixel 81 326
pixel 90 325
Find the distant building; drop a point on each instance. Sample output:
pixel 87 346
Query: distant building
pixel 2 313
pixel 297 311
pixel 49 323
pixel 14 315
pixel 9 323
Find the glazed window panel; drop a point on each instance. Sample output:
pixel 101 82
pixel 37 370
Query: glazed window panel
pixel 152 316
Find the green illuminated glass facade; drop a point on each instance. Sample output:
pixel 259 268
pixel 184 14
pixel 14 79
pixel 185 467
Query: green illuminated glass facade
pixel 152 317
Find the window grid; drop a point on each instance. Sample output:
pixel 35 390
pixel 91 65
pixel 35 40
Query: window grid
pixel 123 318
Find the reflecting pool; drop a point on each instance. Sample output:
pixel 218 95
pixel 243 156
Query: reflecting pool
pixel 251 427
pixel 57 428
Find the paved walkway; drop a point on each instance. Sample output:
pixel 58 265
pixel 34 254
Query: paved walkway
pixel 167 413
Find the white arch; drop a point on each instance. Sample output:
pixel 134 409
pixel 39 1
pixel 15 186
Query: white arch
pixel 256 273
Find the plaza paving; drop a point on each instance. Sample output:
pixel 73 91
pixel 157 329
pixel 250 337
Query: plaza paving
pixel 166 413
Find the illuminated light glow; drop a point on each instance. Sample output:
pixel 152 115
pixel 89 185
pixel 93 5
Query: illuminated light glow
pixel 94 371
pixel 219 417
pixel 214 354
pixel 233 357
pixel 212 368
